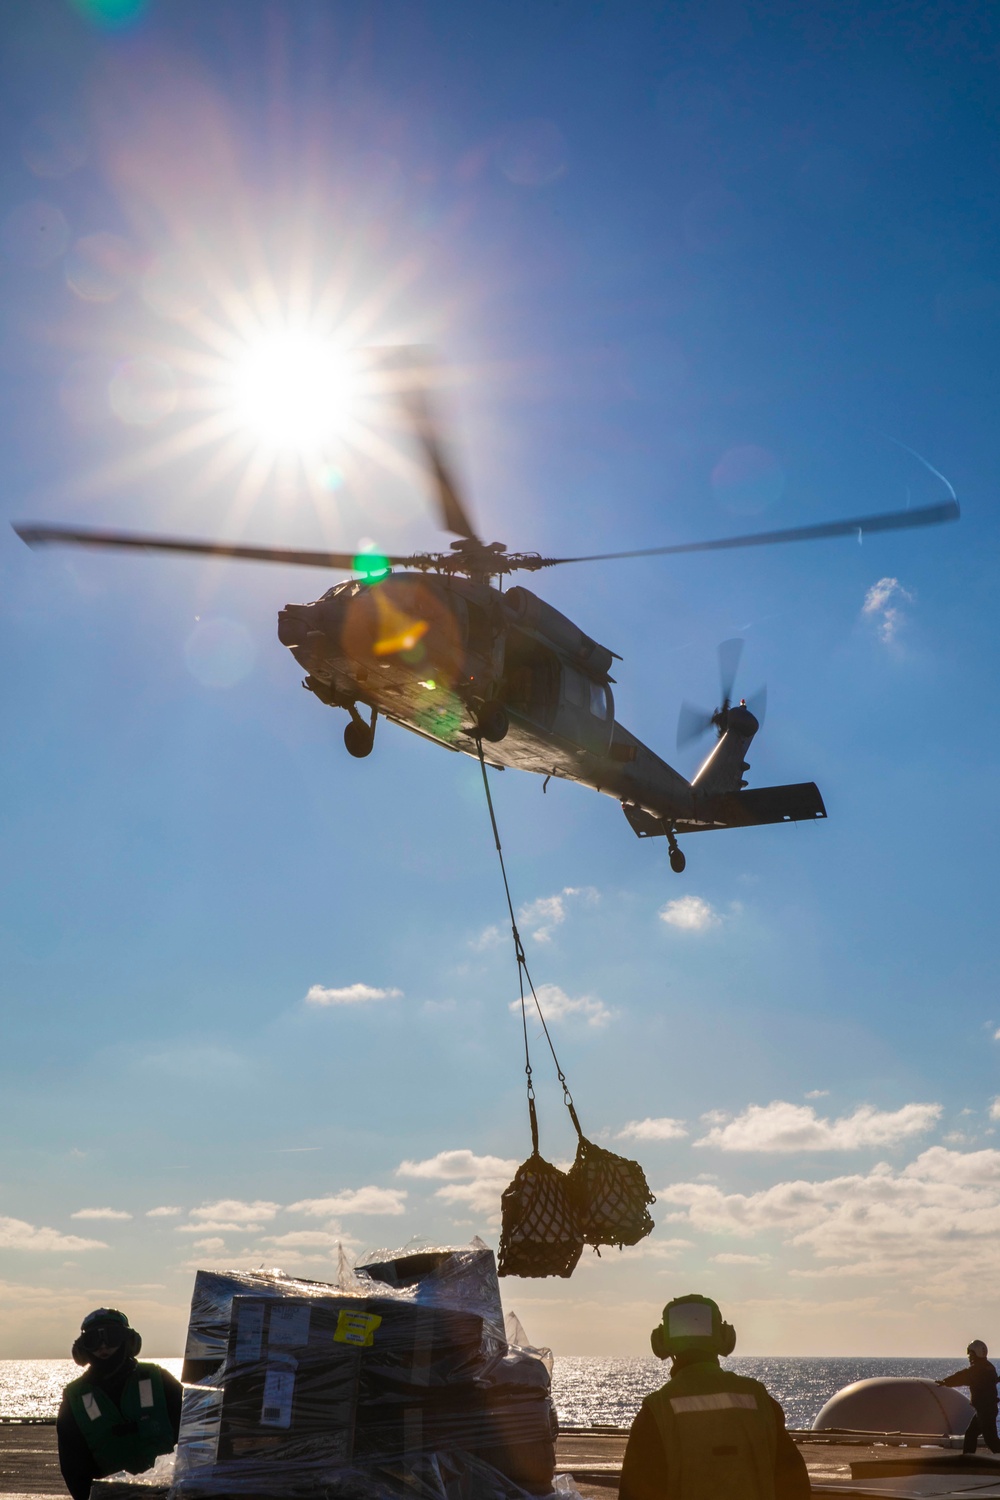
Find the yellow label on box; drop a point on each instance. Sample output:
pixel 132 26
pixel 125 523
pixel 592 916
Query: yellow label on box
pixel 356 1328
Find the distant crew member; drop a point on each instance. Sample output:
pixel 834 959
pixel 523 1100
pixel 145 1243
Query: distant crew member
pixel 120 1414
pixel 708 1434
pixel 981 1378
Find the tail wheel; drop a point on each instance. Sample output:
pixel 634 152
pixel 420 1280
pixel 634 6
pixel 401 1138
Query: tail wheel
pixel 359 739
pixel 677 861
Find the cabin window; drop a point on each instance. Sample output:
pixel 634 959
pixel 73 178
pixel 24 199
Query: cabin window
pixel 598 700
pixel 576 688
pixel 480 634
pixel 530 678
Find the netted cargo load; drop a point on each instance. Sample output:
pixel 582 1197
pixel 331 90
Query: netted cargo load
pixel 316 1388
pixel 540 1227
pixel 612 1195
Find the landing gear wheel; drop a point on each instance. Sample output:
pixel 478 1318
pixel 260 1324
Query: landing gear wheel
pixel 677 861
pixel 359 739
pixel 492 721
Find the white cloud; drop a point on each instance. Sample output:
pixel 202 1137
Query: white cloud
pixel 817 1094
pixel 967 1168
pixel 932 1227
pixel 654 1249
pixel 781 1126
pixel 163 1212
pixel 100 1213
pixel 663 1129
pixel 228 1215
pixel 995 1109
pixel 458 1164
pixel 351 994
pixel 733 1258
pixel 488 1175
pixel 490 937
pixel 690 914
pixel 558 1006
pixel 15 1234
pixel 479 1197
pixel 365 1200
pixel 306 1239
pixel 542 916
pixel 212 1245
pixel 883 605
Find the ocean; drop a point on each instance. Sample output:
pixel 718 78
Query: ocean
pixel 588 1392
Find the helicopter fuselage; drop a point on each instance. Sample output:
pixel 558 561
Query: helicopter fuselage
pixel 462 664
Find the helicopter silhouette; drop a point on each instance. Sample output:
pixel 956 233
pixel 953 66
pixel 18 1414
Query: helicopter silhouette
pixel 430 642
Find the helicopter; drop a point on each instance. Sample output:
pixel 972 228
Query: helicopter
pixel 433 642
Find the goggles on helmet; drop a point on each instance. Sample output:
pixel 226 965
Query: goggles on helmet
pixel 113 1335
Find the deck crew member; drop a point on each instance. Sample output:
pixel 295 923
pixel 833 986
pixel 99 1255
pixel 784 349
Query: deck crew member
pixel 120 1414
pixel 708 1434
pixel 981 1377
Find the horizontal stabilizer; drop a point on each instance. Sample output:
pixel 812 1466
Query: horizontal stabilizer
pixel 769 804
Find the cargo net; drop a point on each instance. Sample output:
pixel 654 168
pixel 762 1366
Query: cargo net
pixel 547 1216
pixel 612 1196
pixel 541 1233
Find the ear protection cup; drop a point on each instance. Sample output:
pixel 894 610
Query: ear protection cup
pixel 656 1342
pixel 134 1342
pixel 79 1353
pixel 727 1339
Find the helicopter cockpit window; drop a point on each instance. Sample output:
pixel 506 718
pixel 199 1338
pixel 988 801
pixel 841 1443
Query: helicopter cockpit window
pixel 345 590
pixel 598 700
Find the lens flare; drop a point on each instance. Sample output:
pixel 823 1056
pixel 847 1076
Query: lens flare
pixel 372 566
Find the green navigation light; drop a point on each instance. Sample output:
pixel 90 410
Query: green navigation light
pixel 372 566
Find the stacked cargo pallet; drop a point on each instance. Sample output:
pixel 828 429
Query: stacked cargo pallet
pixel 401 1382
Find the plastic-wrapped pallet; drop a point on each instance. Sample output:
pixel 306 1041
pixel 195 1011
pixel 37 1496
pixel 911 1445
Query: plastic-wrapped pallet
pixel 463 1279
pixel 400 1382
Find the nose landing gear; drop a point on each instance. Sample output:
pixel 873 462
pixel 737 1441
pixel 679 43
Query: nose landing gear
pixel 359 737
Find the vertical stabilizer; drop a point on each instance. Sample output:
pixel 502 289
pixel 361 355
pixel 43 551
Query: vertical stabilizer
pixel 724 768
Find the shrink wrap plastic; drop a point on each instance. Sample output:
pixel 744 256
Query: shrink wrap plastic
pixel 401 1381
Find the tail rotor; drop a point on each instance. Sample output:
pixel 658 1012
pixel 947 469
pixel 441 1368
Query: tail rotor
pixel 694 722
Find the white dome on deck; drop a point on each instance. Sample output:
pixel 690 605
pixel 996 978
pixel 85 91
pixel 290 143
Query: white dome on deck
pixel 895 1404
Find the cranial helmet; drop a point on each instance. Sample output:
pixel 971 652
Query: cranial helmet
pixel 692 1324
pixel 105 1325
pixel 977 1348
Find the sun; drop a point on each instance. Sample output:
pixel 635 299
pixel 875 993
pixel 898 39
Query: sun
pixel 294 391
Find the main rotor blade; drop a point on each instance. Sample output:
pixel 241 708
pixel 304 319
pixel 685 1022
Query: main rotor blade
pixel 409 361
pixel 78 536
pixel 452 510
pixel 894 520
pixel 729 663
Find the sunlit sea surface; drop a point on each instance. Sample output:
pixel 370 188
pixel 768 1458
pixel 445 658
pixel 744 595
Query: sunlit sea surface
pixel 588 1392
pixel 32 1387
pixel 594 1392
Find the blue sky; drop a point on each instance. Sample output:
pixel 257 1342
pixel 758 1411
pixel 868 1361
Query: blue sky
pixel 691 270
